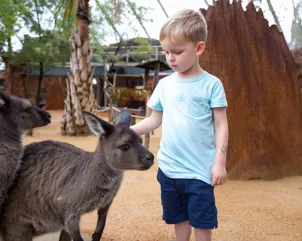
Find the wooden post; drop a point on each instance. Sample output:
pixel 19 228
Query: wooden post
pixel 145 80
pixel 100 86
pixel 148 110
pixel 133 121
pixel 154 84
pixel 156 75
pixel 147 136
pixel 155 81
pixel 105 83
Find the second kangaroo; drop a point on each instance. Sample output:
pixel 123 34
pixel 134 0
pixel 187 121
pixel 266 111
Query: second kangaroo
pixel 58 182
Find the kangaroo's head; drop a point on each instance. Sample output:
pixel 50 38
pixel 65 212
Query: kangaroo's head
pixel 20 115
pixel 121 147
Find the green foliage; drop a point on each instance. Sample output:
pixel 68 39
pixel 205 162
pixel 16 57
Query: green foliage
pixel 49 49
pixel 142 53
pixel 44 34
pixel 10 12
pixel 46 42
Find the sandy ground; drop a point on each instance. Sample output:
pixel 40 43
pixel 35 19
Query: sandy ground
pixel 248 210
pixel 55 237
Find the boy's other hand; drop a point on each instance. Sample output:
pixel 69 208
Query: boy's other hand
pixel 219 174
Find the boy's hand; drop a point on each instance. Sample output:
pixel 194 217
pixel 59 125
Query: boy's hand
pixel 219 174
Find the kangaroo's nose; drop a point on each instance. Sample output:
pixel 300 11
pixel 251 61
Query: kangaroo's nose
pixel 150 157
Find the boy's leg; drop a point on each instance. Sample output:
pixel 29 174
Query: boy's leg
pixel 175 207
pixel 202 209
pixel 203 234
pixel 183 231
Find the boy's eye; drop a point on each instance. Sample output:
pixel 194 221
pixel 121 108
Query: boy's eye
pixel 125 147
pixel 179 52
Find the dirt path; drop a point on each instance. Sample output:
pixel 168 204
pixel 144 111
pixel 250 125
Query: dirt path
pixel 251 210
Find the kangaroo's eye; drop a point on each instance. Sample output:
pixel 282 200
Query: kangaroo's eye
pixel 125 147
pixel 28 110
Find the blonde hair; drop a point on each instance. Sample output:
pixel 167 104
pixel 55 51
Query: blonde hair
pixel 188 23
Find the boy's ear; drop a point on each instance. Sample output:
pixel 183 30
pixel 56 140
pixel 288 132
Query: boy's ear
pixel 200 48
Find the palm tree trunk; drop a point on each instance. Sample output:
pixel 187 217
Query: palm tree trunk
pixel 80 94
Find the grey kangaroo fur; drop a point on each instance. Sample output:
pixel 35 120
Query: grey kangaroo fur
pixel 16 116
pixel 58 182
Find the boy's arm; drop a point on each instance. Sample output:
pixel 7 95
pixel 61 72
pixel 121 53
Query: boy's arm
pixel 149 124
pixel 219 173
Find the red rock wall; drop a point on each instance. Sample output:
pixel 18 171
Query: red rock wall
pixel 55 95
pixel 14 76
pixel 259 76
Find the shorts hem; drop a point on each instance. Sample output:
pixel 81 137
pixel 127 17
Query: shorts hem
pixel 204 226
pixel 176 221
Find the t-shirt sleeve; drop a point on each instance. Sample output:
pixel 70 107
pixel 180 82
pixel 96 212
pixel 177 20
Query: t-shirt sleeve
pixel 154 102
pixel 218 98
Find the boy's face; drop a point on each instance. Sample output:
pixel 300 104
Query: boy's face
pixel 182 54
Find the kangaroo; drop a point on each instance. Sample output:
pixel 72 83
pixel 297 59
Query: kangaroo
pixel 16 116
pixel 58 182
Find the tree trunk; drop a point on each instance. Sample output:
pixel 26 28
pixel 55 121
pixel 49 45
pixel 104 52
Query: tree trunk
pixel 41 74
pixel 39 84
pixel 259 76
pixel 80 94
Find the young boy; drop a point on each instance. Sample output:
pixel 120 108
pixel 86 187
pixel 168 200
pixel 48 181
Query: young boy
pixel 191 106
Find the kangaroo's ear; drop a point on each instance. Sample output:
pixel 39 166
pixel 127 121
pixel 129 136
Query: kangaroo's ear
pixel 124 118
pixel 3 99
pixel 97 126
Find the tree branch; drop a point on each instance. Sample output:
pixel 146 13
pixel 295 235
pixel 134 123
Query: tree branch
pixel 294 8
pixel 137 17
pixel 21 41
pixel 38 19
pixel 108 19
pixel 162 7
pixel 271 8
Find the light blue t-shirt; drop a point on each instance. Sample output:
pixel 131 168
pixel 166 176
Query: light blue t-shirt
pixel 187 147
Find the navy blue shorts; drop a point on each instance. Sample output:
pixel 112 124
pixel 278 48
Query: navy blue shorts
pixel 188 199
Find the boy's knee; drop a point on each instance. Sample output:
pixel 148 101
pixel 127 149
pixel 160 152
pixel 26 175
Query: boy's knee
pixel 183 231
pixel 203 234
